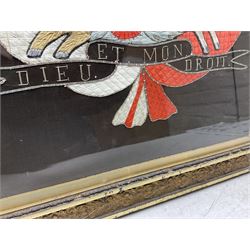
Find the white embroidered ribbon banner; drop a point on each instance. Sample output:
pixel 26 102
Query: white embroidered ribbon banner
pixel 104 57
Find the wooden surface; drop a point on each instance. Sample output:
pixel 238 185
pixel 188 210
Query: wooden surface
pixel 225 200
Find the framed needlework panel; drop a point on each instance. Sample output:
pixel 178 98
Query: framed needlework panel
pixel 102 124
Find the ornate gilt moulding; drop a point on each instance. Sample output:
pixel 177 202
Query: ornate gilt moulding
pixel 102 124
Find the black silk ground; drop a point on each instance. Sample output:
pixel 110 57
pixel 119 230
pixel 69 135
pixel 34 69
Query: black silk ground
pixel 55 135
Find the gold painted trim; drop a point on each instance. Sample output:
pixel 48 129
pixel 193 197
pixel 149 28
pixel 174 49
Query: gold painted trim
pixel 28 199
pixel 172 196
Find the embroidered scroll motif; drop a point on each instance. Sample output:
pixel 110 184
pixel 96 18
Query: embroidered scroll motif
pixel 100 64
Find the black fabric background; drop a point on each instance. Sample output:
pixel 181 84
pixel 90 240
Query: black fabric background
pixel 45 126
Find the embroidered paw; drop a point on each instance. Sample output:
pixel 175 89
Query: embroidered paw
pixel 71 42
